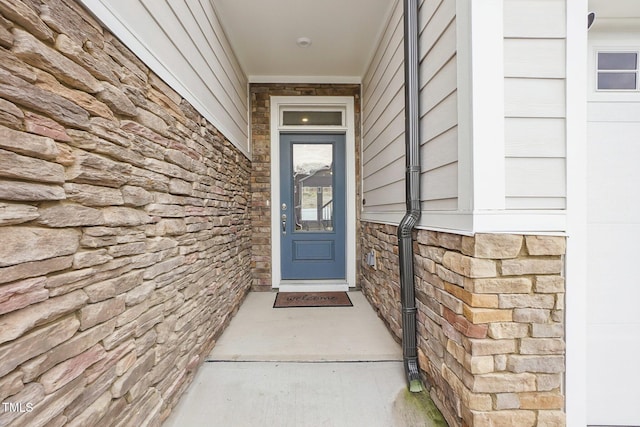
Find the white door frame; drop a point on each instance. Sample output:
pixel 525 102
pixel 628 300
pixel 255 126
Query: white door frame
pixel 345 104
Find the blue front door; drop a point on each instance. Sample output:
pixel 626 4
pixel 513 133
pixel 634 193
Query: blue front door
pixel 312 206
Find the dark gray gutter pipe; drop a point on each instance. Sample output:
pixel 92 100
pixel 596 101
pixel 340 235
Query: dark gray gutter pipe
pixel 405 229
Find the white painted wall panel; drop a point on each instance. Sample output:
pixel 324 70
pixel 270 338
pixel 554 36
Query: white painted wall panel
pixel 184 44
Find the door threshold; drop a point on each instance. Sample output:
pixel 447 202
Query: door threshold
pixel 313 286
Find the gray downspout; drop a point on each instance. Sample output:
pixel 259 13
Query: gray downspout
pixel 405 229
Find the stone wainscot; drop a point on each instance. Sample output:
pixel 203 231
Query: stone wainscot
pixel 124 227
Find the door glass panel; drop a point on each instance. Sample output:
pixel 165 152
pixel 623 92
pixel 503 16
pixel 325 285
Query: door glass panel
pixel 313 187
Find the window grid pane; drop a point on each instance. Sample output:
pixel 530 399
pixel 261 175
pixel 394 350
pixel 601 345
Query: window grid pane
pixel 617 61
pixel 617 71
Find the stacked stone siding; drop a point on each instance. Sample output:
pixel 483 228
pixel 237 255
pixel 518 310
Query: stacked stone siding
pixel 124 227
pixel 490 321
pixel 261 164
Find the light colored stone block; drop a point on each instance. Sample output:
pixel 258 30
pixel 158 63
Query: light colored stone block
pixel 69 370
pixel 527 301
pixel 495 246
pixel 545 364
pixel 546 245
pixel 542 346
pixel 515 285
pixel 524 266
pixel 549 284
pixel 509 330
pixel 504 383
pixel 24 244
pixel 15 324
pixel 486 315
pixel 504 418
pixel 41 340
pixel 507 401
pixel 469 267
pixel 485 347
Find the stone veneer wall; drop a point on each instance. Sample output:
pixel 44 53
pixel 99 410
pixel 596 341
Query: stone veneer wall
pixel 490 321
pixel 124 227
pixel 261 164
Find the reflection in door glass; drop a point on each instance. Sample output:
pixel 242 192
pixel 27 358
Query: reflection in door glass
pixel 313 187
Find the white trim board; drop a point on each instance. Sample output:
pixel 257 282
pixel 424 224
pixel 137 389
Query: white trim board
pixel 340 102
pixel 576 258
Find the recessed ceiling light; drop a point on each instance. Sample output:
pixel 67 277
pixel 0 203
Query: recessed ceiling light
pixel 303 42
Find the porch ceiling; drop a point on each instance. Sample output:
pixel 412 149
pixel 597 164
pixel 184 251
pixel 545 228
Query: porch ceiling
pixel 263 34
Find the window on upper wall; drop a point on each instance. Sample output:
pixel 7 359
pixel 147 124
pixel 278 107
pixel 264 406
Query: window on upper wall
pixel 617 71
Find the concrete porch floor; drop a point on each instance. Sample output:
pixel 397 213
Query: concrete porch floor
pixel 292 367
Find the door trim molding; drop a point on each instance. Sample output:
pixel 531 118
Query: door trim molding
pixel 345 103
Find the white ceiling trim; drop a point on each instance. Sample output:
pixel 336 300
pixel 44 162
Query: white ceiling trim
pixel 306 79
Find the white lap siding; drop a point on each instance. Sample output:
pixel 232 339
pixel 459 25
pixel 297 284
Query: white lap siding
pixel 184 43
pixel 383 115
pixel 534 69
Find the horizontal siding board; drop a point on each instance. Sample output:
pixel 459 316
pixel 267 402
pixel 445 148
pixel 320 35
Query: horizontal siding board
pixel 436 26
pixel 168 40
pixel 392 193
pixel 534 97
pixel 393 35
pixel 535 177
pixel 425 13
pixel 440 55
pixel 441 150
pixel 393 152
pixel 393 87
pixel 535 18
pixel 443 84
pixel 189 61
pixel 535 137
pixel 205 15
pixel 386 129
pixel 383 118
pixel 383 122
pixel 440 205
pixel 201 53
pixel 534 58
pixel 393 172
pixel 440 183
pixel 440 119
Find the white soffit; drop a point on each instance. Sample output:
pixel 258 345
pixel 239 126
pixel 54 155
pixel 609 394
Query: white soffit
pixel 343 35
pixel 615 8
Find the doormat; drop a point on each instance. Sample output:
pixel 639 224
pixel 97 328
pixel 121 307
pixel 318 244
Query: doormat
pixel 312 299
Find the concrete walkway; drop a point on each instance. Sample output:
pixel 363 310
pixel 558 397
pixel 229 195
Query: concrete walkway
pixel 296 367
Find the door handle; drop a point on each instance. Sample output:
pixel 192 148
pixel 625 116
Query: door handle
pixel 284 223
